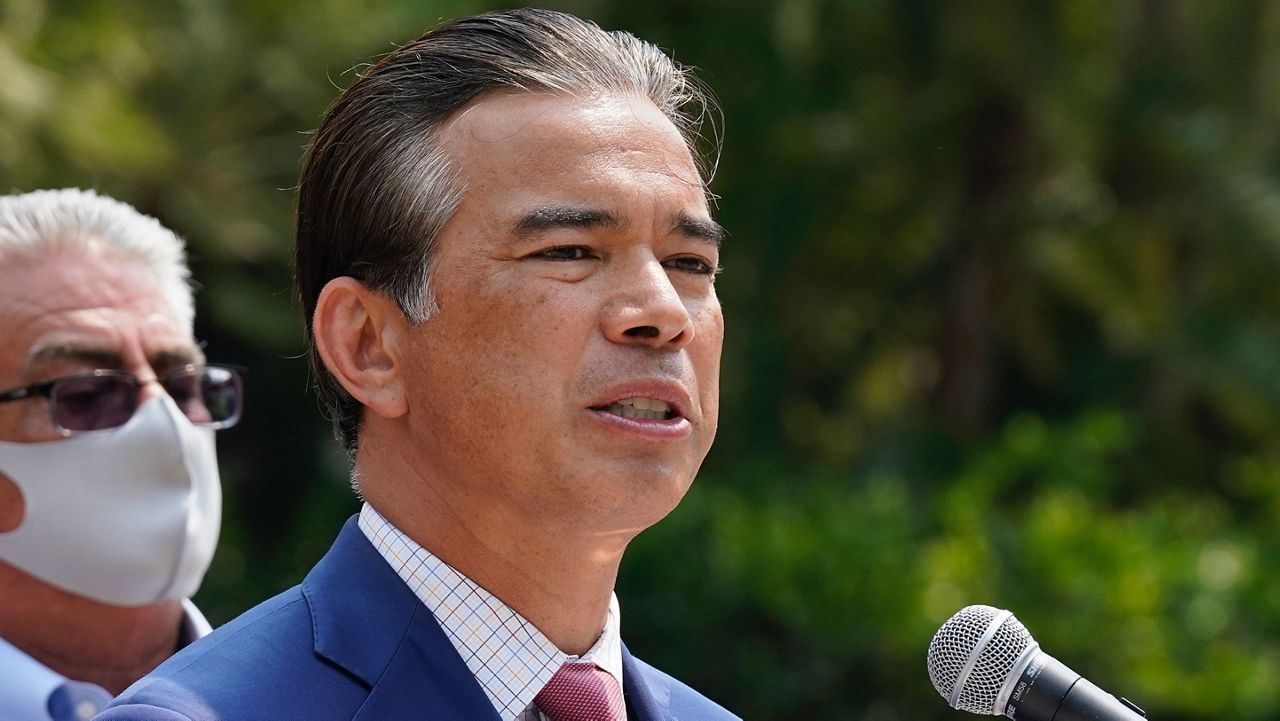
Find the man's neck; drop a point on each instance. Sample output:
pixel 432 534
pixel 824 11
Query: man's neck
pixel 560 580
pixel 82 639
pixel 562 590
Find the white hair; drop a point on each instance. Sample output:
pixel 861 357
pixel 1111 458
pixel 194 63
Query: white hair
pixel 42 223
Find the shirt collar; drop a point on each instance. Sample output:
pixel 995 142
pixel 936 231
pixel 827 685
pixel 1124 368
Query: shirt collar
pixel 194 625
pixel 26 684
pixel 510 658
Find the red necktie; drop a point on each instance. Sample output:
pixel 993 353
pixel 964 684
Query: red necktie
pixel 581 692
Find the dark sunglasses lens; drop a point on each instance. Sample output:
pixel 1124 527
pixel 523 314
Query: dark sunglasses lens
pixel 207 396
pixel 94 403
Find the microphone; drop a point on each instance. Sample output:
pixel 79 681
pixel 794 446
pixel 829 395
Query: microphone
pixel 983 660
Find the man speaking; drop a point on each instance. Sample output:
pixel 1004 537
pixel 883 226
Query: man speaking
pixel 507 262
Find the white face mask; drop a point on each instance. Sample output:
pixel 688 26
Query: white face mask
pixel 127 517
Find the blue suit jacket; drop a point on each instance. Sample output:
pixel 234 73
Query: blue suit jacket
pixel 350 642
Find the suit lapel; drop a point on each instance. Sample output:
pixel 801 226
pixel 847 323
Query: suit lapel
pixel 645 701
pixel 367 621
pixel 426 679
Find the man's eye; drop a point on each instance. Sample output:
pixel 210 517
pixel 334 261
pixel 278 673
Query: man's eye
pixel 692 264
pixel 565 252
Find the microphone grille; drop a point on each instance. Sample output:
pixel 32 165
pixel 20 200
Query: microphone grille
pixel 972 655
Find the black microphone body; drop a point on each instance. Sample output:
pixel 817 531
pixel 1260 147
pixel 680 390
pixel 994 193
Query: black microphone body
pixel 1049 691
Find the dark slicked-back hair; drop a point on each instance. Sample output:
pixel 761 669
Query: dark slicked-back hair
pixel 377 189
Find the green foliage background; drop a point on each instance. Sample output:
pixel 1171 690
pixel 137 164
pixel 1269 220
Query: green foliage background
pixel 1002 302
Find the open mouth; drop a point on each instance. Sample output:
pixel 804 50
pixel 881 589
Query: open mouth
pixel 645 409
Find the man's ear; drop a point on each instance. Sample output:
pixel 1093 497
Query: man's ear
pixel 358 333
pixel 12 506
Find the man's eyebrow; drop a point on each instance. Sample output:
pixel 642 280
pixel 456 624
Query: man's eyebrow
pixel 699 229
pixel 88 355
pixel 107 358
pixel 560 216
pixel 166 359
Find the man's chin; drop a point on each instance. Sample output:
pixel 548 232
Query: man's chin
pixel 641 497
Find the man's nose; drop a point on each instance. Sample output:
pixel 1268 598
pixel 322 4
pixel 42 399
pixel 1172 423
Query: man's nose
pixel 151 387
pixel 648 310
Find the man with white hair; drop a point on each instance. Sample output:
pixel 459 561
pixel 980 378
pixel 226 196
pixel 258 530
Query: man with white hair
pixel 110 501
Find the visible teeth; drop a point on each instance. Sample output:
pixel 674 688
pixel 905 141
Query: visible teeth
pixel 643 408
pixel 645 404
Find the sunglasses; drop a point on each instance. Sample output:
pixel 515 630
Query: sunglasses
pixel 209 396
